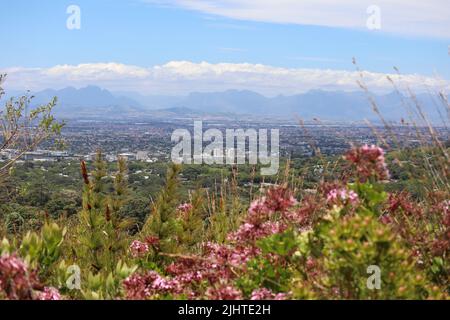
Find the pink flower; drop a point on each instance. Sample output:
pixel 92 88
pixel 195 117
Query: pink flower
pixel 224 292
pixel 143 286
pixel 446 207
pixel 219 264
pixel 250 232
pixel 369 162
pixel 266 294
pixel 261 294
pixel 184 207
pixel 15 279
pixel 342 196
pixel 280 199
pixel 136 287
pixel 49 293
pixel 138 248
pixel 386 219
pixel 402 201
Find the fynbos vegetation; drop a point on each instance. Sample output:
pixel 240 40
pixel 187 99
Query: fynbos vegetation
pixel 354 233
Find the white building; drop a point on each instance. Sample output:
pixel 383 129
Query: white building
pixel 142 156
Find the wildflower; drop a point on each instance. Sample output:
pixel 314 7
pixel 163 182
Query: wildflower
pixel 15 280
pixel 250 232
pixel 369 162
pixel 224 292
pixel 342 197
pixel 258 207
pixel 441 245
pixel 279 199
pixel 135 287
pixel 49 293
pixel 266 294
pixel 143 286
pixel 138 248
pixel 184 208
pixel 261 294
pixel 446 209
pixel 386 219
pixel 402 201
pixel 303 215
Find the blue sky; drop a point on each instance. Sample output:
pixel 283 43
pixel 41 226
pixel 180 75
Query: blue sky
pixel 153 33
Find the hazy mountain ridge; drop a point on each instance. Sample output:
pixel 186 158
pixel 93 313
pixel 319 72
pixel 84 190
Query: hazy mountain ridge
pixel 325 105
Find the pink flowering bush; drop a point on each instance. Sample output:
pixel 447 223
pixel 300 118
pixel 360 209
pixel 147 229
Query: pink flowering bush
pixel 285 248
pixel 342 197
pixel 15 280
pixel 18 282
pixel 184 208
pixel 138 248
pixel 22 267
pixel 284 244
pixel 368 162
pixel 266 294
pixel 49 293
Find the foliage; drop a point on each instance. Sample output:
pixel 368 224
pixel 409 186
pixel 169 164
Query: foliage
pixel 356 231
pixel 23 129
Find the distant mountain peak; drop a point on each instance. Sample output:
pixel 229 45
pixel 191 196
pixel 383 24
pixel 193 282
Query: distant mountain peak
pixel 316 103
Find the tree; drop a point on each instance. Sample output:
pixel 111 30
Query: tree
pixel 102 232
pixel 162 222
pixel 22 129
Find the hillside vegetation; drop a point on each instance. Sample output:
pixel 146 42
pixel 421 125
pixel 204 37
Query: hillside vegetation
pixel 364 225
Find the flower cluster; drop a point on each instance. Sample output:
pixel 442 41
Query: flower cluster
pixel 266 294
pixel 446 209
pixel 441 245
pixel 15 279
pixel 144 286
pixel 342 196
pixel 219 263
pixel 279 199
pixel 224 292
pixel 49 293
pixel 184 208
pixel 254 251
pixel 369 162
pixel 138 248
pixel 403 202
pixel 258 223
pixel 251 232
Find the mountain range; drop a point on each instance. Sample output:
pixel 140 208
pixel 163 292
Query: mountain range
pixel 93 101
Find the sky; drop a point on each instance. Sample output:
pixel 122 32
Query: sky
pixel 269 46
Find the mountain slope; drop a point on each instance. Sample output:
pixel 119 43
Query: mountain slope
pixel 93 101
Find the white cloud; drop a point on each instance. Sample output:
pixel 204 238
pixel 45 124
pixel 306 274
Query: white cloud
pixel 96 72
pixel 407 17
pixel 182 77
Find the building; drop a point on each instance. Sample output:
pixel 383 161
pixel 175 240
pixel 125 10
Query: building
pixel 127 155
pixel 142 156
